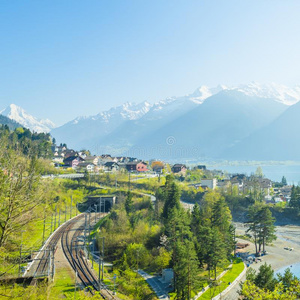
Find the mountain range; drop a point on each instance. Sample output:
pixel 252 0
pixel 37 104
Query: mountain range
pixel 20 116
pixel 252 121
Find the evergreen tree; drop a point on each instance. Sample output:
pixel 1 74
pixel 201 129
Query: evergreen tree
pixel 283 181
pixel 186 270
pixel 265 277
pixel 217 251
pixel 261 225
pixel 295 197
pixel 172 198
pixel 267 227
pixel 129 203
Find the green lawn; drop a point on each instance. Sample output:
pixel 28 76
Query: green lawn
pixel 237 267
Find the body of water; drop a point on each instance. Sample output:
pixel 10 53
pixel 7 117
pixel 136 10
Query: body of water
pixel 274 172
pixel 295 269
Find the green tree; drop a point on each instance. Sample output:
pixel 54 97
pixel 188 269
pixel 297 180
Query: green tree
pixel 266 227
pixel 259 172
pixel 217 251
pixel 252 292
pixel 295 197
pixel 19 182
pixel 129 203
pixel 261 225
pixel 283 181
pixel 172 198
pixel 265 277
pixel 186 270
pixel 287 279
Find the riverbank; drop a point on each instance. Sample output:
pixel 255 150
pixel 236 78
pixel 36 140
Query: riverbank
pixel 277 256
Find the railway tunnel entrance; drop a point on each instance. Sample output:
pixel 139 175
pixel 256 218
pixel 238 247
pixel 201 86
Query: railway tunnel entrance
pixel 100 203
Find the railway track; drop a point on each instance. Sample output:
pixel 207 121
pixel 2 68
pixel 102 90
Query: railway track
pixel 74 253
pixel 43 266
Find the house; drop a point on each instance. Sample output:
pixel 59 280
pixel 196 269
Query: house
pixel 158 169
pixel 223 184
pixel 179 168
pixel 69 153
pixel 136 167
pixel 210 183
pixel 157 166
pixel 201 167
pixel 103 159
pixel 58 159
pixel 167 275
pixel 92 159
pixel 141 167
pixel 86 166
pixel 263 184
pixel 73 161
pixel 111 166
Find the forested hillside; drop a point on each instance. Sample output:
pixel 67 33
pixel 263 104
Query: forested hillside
pixel 10 123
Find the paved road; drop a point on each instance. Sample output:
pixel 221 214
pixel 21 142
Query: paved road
pixel 160 289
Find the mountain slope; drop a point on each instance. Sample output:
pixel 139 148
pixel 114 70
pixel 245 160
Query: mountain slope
pixel 206 131
pixel 120 127
pixel 277 141
pixel 84 132
pixel 19 115
pixel 203 123
pixel 10 123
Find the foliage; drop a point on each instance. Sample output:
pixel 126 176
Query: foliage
pixel 265 286
pixel 261 226
pixel 20 193
pixel 219 286
pixel 295 197
pixel 26 142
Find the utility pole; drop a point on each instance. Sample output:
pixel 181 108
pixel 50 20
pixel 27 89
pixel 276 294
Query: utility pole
pixel 50 263
pixel 76 274
pixel 85 223
pixel 89 223
pixel 55 219
pixel 102 257
pixel 59 218
pixel 44 228
pixel 99 278
pixel 93 255
pixel 65 212
pixel 129 182
pixel 20 259
pixel 51 222
pixel 99 208
pixel 52 274
pixel 71 207
pixel 115 276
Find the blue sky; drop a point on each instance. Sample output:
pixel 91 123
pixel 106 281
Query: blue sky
pixel 60 59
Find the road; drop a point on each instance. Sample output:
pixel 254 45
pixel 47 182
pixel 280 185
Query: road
pixel 160 288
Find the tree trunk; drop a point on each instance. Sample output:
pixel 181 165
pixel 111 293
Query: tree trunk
pixel 255 242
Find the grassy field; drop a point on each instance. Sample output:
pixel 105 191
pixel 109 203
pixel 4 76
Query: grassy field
pixel 236 269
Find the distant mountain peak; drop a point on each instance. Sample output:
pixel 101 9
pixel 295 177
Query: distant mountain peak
pixel 279 92
pixel 19 115
pixel 204 92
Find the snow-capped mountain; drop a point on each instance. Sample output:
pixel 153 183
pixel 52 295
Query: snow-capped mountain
pixel 212 119
pixel 125 123
pixel 19 115
pixel 127 111
pixel 279 92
